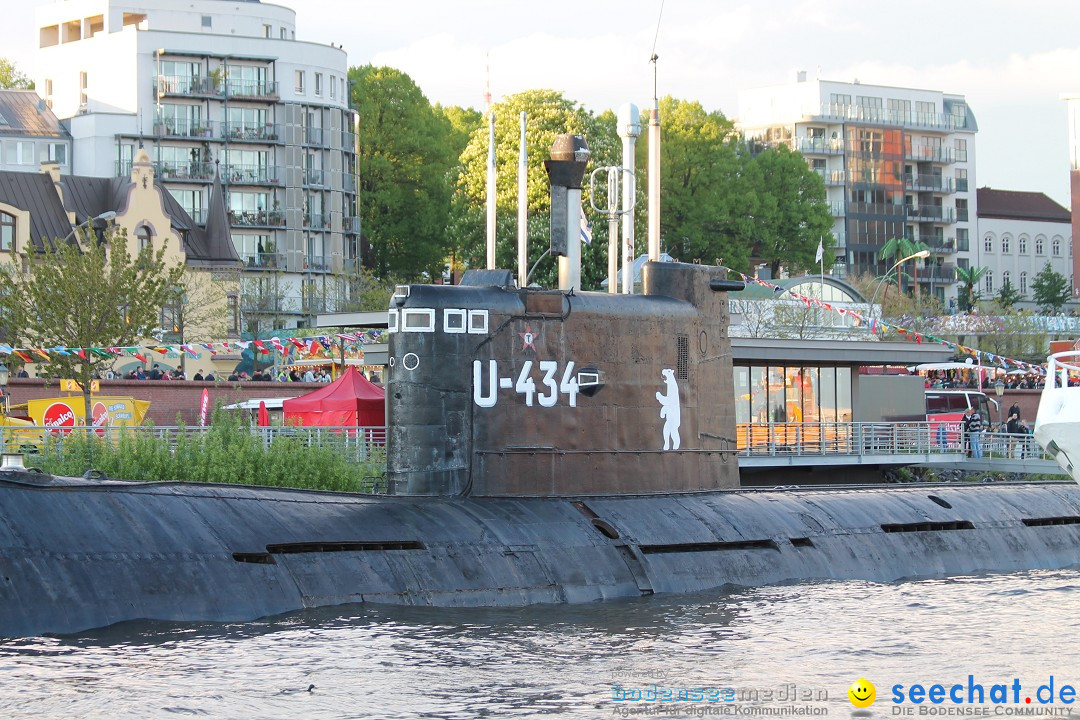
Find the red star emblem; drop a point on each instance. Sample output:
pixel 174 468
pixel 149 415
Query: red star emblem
pixel 527 338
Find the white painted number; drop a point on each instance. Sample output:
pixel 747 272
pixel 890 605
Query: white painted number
pixel 526 385
pixel 569 384
pixel 549 368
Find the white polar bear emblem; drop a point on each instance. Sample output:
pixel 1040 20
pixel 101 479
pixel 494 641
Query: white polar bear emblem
pixel 670 410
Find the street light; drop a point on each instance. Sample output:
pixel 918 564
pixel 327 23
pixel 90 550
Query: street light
pixel 105 216
pixel 5 375
pixel 999 390
pixel 920 254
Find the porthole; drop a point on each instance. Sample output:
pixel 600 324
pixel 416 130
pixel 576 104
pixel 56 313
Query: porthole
pixel 453 321
pixel 411 361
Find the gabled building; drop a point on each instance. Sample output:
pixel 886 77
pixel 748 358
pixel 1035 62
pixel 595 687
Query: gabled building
pixel 30 133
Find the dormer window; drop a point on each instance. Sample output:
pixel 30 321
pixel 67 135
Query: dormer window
pixel 145 237
pixel 7 232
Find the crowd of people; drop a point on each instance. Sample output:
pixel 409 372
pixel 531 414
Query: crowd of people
pixel 943 379
pixel 281 374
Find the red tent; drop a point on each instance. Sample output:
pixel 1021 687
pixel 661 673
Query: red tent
pixel 349 400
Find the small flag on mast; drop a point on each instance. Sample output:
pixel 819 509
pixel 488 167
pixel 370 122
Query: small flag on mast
pixel 586 229
pixel 820 252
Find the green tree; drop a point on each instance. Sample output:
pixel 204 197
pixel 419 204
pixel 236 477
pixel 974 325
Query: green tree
pixel 403 165
pixel 792 215
pixel 90 294
pixel 708 204
pixel 11 78
pixel 1008 295
pixel 1050 289
pixel 969 279
pixel 900 247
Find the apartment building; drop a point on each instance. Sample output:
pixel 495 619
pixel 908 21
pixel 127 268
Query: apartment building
pixel 219 89
pixel 1072 101
pixel 897 162
pixel 30 134
pixel 1019 233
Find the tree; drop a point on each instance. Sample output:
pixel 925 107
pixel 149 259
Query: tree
pixel 11 78
pixel 709 205
pixel 898 248
pixel 403 165
pixel 1008 295
pixel 83 296
pixel 1050 289
pixel 792 216
pixel 969 277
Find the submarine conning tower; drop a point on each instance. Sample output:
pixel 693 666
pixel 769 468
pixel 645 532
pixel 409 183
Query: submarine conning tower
pixel 500 391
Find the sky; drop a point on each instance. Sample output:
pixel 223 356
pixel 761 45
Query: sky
pixel 1012 61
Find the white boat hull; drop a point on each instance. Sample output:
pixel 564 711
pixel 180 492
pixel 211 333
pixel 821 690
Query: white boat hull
pixel 1057 425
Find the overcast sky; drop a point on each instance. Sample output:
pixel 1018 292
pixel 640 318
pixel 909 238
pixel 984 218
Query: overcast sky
pixel 1012 60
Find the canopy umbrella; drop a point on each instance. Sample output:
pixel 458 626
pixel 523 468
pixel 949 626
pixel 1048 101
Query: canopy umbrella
pixel 349 400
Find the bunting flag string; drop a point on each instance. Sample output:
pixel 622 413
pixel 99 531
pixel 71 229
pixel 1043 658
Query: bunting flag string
pixel 875 326
pixel 287 347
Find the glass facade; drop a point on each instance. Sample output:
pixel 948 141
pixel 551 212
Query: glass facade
pixel 774 400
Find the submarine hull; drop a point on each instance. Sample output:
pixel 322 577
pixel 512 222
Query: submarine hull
pixel 78 554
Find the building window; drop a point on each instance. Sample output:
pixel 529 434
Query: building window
pixel 232 315
pixel 20 153
pixel 7 232
pixel 839 99
pixel 333 86
pixel 48 92
pixel 867 101
pixel 1005 279
pixel 925 110
pixel 1023 283
pixel 962 239
pixel 961 150
pixel 58 153
pixel 1039 245
pixel 145 237
pixel 318 83
pixel 961 180
pixel 988 243
pixel 83 84
pixel 1023 244
pixel 1004 244
pixel 989 285
pixel 902 108
pixel 284 34
pixel 961 209
pixel 207 21
pixel 1055 247
pixel 299 82
pixel 268 31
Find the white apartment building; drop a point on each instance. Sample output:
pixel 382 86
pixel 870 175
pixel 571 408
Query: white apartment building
pixel 895 161
pixel 219 86
pixel 1020 232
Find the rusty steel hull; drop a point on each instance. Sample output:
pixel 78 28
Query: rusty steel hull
pixel 78 554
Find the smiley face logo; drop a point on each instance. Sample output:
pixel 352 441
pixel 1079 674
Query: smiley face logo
pixel 862 693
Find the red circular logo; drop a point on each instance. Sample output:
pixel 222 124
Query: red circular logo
pixel 100 418
pixel 58 415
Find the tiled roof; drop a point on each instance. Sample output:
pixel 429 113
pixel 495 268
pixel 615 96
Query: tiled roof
pixel 1015 205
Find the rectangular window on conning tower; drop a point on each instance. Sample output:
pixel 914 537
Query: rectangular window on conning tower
pixel 683 349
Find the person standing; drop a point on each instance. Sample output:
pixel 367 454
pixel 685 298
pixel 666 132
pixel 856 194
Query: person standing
pixel 973 427
pixel 1012 426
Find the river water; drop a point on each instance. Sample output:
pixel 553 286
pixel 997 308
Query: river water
pixel 782 651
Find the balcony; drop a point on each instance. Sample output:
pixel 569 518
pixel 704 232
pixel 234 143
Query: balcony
pixel 251 89
pixel 316 221
pixel 833 177
pixel 251 174
pixel 930 213
pixel 183 128
pixel 314 177
pixel 263 260
pixel 939 245
pixel 254 133
pixel 932 183
pixel 818 146
pixel 183 86
pixel 838 209
pixel 348 182
pixel 348 141
pixel 938 274
pixel 257 218
pixel 310 304
pixel 319 263
pixel 313 136
pixel 200 172
pixel 881 116
pixel 351 266
pixel 350 224
pixel 887 210
pixel 929 153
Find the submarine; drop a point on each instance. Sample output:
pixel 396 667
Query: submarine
pixel 543 446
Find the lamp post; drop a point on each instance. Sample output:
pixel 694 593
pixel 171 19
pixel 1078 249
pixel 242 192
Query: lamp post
pixel 999 390
pixel 5 375
pixel 106 216
pixel 920 254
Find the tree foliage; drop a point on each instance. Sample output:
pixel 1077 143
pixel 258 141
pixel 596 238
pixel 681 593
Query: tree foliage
pixel 90 294
pixel 403 164
pixel 1008 295
pixel 11 78
pixel 1050 289
pixel 969 277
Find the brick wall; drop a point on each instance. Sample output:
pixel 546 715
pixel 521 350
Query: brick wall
pixel 167 397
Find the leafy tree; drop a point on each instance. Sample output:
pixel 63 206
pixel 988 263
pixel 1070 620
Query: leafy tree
pixel 898 248
pixel 792 215
pixel 1008 295
pixel 1050 289
pixel 90 294
pixel 708 204
pixel 403 162
pixel 969 278
pixel 11 78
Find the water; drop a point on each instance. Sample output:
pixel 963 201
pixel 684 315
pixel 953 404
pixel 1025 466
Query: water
pixel 562 661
